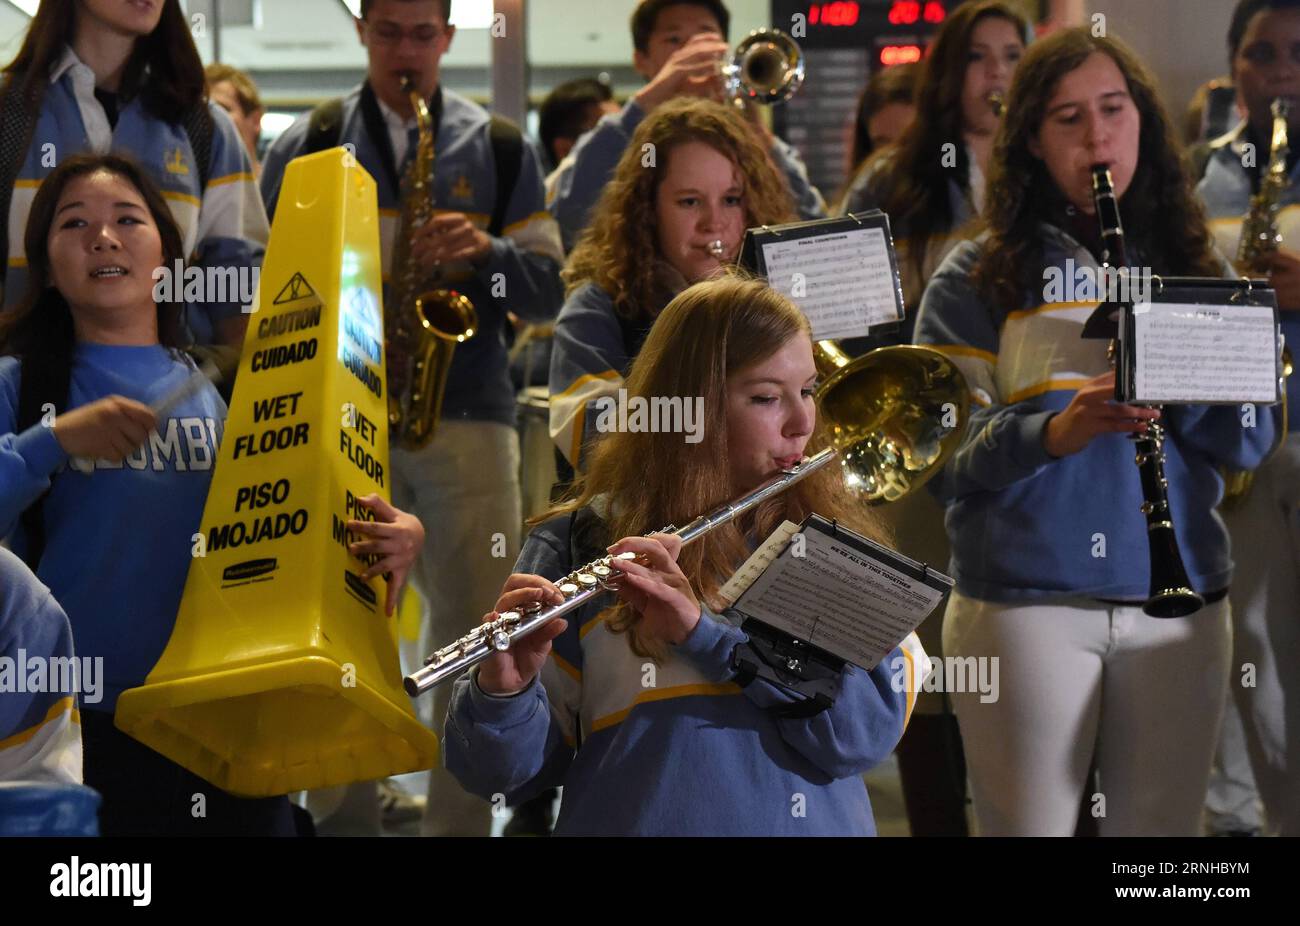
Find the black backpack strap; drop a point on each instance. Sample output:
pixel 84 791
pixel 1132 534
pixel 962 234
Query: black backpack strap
pixel 508 156
pixel 37 386
pixel 18 114
pixel 1198 157
pixel 200 128
pixel 324 127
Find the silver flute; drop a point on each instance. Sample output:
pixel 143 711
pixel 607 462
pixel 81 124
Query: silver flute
pixel 583 584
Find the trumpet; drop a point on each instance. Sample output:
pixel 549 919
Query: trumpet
pixel 583 584
pixel 767 67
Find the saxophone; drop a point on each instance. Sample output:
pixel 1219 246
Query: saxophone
pixel 423 322
pixel 1260 237
pixel 1259 233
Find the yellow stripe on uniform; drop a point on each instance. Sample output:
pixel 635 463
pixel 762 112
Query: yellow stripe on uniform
pixel 583 380
pixel 664 694
pixel 183 198
pixel 569 669
pixel 913 654
pixel 232 178
pixel 590 625
pixel 1049 307
pixel 61 706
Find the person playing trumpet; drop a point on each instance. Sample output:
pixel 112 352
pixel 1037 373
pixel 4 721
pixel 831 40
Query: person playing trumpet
pixel 679 46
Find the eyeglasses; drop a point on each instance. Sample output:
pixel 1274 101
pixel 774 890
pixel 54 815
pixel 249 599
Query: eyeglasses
pixel 389 34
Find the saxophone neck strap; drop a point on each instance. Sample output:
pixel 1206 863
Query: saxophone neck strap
pixel 373 119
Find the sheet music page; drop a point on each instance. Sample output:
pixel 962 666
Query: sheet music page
pixel 1204 353
pixel 759 560
pixel 834 596
pixel 843 281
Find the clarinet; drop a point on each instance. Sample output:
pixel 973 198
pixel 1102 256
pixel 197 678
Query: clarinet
pixel 583 584
pixel 1171 592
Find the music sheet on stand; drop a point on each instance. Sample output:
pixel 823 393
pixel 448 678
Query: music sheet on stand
pixel 1205 353
pixel 846 282
pixel 840 599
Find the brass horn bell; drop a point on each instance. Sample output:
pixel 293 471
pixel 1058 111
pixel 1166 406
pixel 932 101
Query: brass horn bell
pixel 895 414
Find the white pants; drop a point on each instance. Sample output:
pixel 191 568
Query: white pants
pixel 1232 802
pixel 1146 692
pixel 1266 620
pixel 464 488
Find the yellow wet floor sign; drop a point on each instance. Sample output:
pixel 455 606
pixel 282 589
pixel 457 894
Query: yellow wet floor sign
pixel 282 671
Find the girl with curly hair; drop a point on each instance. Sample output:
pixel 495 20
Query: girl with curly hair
pixel 1043 500
pixel 695 174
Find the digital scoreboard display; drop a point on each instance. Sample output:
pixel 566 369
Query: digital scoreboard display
pixel 844 42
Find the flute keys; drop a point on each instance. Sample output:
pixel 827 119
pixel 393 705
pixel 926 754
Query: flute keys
pixel 587 582
pixel 500 641
pixel 568 589
pixel 601 571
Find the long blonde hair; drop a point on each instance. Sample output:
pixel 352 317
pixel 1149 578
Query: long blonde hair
pixel 617 250
pixel 711 331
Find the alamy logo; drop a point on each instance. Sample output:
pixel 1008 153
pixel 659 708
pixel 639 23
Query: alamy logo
pixel 953 674
pixel 23 674
pixel 660 414
pixel 1096 284
pixel 207 284
pixel 103 879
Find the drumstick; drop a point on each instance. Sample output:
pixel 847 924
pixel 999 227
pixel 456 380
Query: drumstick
pixel 218 364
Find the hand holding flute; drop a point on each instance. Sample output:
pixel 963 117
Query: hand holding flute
pixel 652 584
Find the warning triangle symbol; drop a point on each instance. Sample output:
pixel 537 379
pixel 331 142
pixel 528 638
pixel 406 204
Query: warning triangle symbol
pixel 296 288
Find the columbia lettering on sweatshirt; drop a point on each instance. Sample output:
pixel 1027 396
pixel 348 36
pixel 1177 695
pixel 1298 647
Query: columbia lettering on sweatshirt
pixel 117 536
